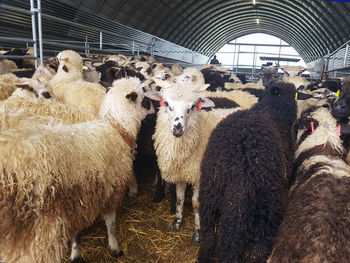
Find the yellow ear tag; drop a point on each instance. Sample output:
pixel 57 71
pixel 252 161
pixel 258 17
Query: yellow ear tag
pixel 82 70
pixel 296 96
pixel 338 93
pixel 129 94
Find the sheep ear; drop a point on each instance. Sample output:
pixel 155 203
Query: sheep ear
pixel 131 96
pixel 154 95
pixel 201 88
pixel 206 103
pixel 65 68
pixel 303 96
pixel 162 83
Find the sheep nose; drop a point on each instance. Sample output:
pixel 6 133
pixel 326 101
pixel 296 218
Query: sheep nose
pixel 178 126
pixel 178 130
pixel 340 104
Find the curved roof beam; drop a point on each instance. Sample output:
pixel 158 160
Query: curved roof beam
pixel 277 32
pixel 268 4
pixel 248 29
pixel 311 30
pixel 296 20
pixel 231 25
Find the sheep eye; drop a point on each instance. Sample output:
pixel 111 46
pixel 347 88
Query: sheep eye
pixel 166 104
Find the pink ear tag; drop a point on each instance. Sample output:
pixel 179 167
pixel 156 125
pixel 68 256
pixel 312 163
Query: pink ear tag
pixel 339 129
pixel 312 127
pixel 161 102
pixel 199 105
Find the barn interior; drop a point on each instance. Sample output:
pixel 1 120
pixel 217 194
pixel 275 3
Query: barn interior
pixel 188 33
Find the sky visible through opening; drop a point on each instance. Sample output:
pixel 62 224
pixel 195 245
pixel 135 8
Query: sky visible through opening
pixel 226 56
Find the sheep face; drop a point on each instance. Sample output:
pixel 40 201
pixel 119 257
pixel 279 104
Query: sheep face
pixel 179 105
pixel 341 107
pixel 69 60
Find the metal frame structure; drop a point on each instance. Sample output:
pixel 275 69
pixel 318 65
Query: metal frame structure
pixel 88 38
pixel 338 62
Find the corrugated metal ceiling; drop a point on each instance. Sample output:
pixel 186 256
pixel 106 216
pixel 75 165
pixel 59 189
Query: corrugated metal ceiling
pixel 312 27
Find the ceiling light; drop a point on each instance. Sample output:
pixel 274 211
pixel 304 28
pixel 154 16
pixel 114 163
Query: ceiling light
pixel 257 21
pixel 254 2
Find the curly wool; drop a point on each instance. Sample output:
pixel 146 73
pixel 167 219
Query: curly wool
pixel 245 166
pixel 46 107
pixel 7 85
pixel 315 226
pixel 57 179
pixel 179 158
pixel 70 88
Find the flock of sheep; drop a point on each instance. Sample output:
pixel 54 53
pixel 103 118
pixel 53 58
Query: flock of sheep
pixel 267 161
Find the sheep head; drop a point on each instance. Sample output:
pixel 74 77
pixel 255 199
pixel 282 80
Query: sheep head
pixel 341 107
pixel 179 104
pixel 69 60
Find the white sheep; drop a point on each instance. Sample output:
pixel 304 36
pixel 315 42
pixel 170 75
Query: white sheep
pixel 192 76
pixel 70 88
pixel 56 180
pixel 47 107
pixel 6 66
pixel 181 135
pixel 8 84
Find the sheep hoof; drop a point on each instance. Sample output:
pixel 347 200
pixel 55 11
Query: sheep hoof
pixel 195 237
pixel 176 224
pixel 116 253
pixel 78 260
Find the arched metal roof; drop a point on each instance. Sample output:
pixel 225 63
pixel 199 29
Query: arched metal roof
pixel 312 27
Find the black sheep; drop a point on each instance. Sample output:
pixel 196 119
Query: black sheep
pixel 222 103
pixel 214 78
pixel 245 167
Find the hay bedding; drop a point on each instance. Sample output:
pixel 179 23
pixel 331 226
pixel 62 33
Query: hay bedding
pixel 143 232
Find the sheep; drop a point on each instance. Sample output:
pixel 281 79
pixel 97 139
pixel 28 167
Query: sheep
pixel 6 66
pixel 191 75
pixel 180 138
pixel 90 74
pixel 341 111
pixel 8 84
pixel 21 119
pixel 56 180
pixel 16 52
pixel 292 71
pixel 69 87
pixel 316 222
pixel 244 99
pixel 246 164
pixel 38 84
pixel 29 63
pixel 176 70
pixel 48 107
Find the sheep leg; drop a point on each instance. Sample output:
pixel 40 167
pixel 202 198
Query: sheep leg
pixel 112 241
pixel 132 186
pixel 160 191
pixel 172 191
pixel 180 196
pixel 195 205
pixel 76 249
